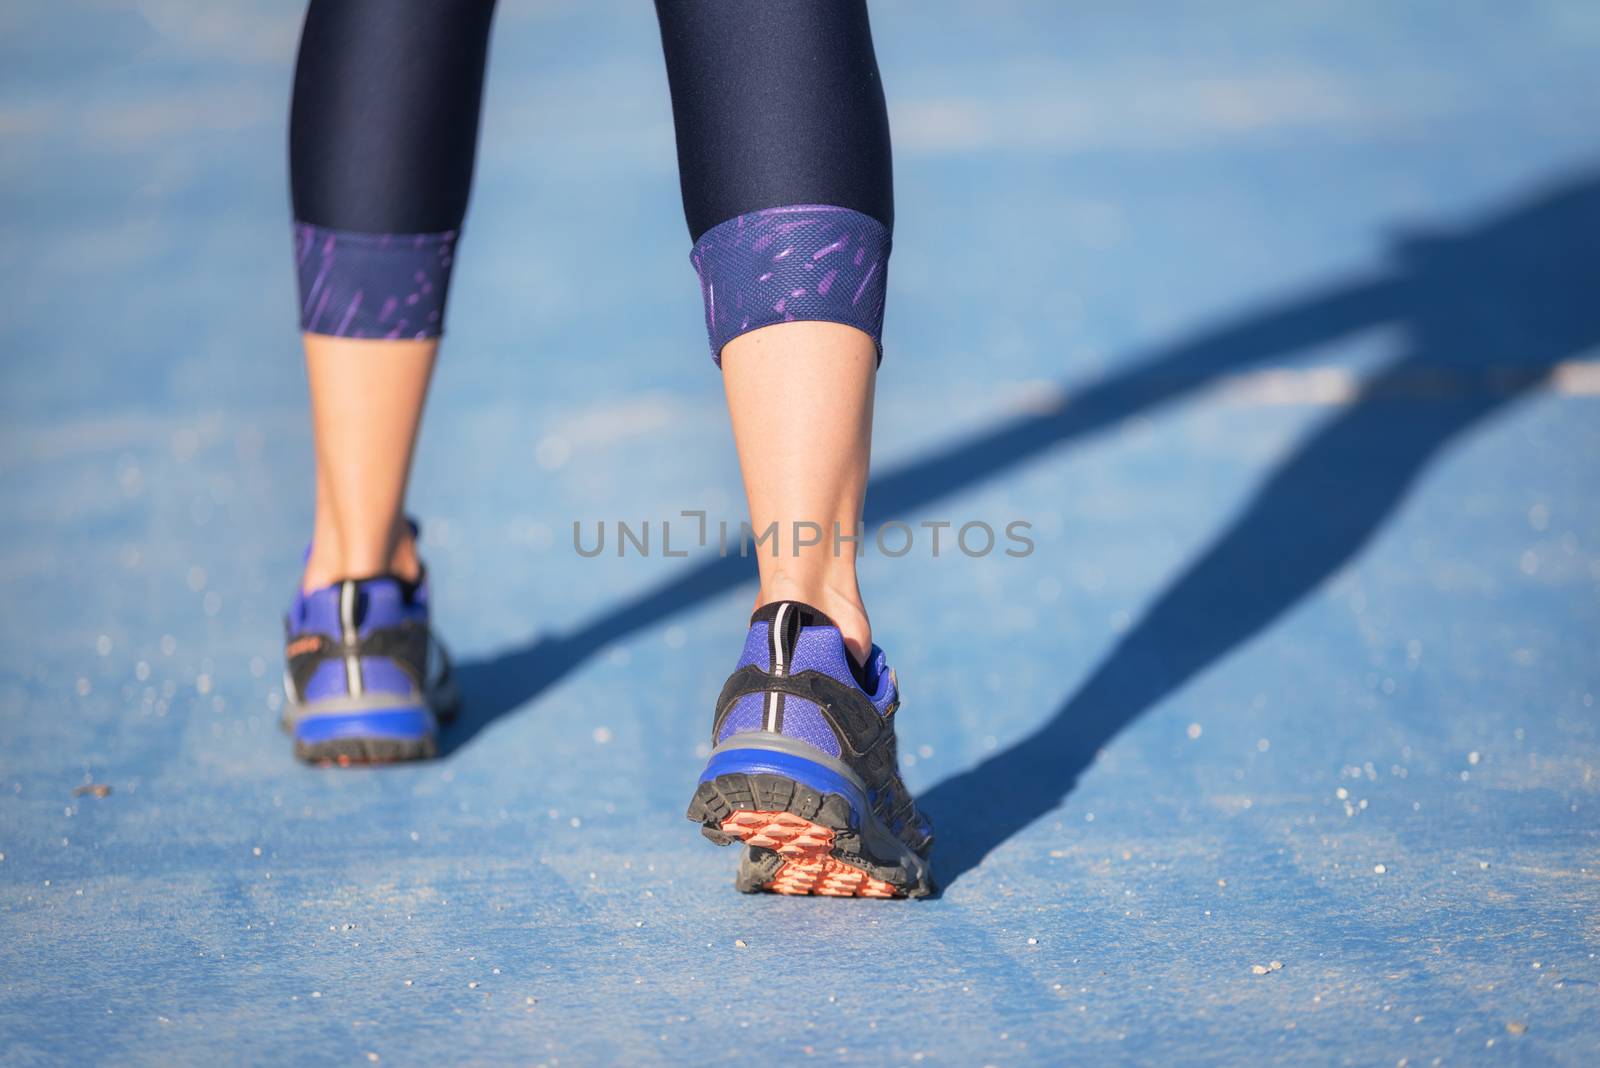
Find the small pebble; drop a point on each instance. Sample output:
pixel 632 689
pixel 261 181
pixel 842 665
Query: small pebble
pixel 1033 941
pixel 1516 1027
pixel 1379 868
pixel 472 985
pixel 1259 969
pixel 741 943
pixel 1276 966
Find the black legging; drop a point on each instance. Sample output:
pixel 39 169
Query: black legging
pixel 783 143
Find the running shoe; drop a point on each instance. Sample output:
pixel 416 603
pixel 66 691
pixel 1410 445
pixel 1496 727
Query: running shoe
pixel 367 681
pixel 803 768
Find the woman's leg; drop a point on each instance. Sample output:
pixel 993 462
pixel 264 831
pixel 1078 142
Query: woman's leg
pixel 366 407
pixel 381 146
pixel 783 145
pixel 800 396
pixel 382 139
pixel 783 149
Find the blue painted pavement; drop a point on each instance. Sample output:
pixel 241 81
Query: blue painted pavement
pixel 1278 324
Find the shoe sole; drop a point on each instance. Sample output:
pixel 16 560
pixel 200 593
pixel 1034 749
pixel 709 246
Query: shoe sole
pixel 801 839
pixel 374 736
pixel 356 749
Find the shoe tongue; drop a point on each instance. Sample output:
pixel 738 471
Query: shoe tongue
pixel 803 614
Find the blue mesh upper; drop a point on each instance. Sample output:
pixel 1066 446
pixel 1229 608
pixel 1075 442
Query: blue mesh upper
pixel 755 648
pixel 803 720
pixel 379 674
pixel 822 649
pixel 744 716
pixel 380 603
pixel 328 680
pixel 816 648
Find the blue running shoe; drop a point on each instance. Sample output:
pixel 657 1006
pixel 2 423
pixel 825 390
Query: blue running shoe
pixel 804 770
pixel 367 681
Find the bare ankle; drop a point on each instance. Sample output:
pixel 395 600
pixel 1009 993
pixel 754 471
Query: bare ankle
pixel 405 561
pixel 330 561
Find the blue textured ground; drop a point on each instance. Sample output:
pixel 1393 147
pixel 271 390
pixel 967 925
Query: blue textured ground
pixel 1300 670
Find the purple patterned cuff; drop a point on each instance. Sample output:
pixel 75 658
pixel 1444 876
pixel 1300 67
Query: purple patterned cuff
pixel 804 261
pixel 387 286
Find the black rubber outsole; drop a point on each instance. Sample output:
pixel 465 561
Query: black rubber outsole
pixel 362 750
pixel 717 799
pixel 345 751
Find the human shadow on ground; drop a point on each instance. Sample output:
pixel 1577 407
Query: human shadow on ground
pixel 1487 311
pixel 1487 314
pixel 500 684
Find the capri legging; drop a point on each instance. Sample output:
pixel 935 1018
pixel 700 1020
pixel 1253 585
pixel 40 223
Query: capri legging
pixel 783 158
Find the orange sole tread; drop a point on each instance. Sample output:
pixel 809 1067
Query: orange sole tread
pixel 805 847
